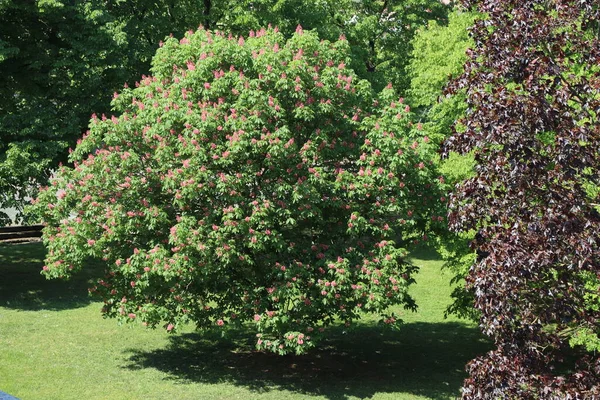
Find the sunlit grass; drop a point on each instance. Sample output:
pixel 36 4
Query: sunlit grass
pixel 55 345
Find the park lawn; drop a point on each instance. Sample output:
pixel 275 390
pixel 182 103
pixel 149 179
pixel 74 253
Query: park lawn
pixel 55 345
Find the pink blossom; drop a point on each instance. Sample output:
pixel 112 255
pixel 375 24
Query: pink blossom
pixel 220 322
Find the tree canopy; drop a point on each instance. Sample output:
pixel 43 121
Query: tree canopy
pixel 61 61
pixel 248 179
pixel 532 84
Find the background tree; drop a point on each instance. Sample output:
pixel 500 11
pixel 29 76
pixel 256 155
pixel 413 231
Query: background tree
pixel 59 62
pixel 379 31
pixel 439 52
pixel 251 179
pixel 532 83
pixel 438 56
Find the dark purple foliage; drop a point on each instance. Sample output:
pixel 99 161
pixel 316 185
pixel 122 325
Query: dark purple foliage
pixel 533 88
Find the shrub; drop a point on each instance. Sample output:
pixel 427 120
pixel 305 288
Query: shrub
pixel 247 180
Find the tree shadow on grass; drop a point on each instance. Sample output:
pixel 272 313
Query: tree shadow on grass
pixel 426 359
pixel 424 252
pixel 23 287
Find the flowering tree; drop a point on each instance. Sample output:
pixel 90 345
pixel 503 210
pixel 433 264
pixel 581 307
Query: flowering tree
pixel 532 85
pixel 248 179
pixel 61 60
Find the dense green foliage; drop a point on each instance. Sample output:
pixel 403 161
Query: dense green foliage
pixel 64 59
pixel 379 31
pixel 61 60
pixel 438 56
pixel 439 52
pixel 248 179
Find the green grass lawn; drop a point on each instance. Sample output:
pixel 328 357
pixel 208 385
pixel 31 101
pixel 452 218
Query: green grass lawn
pixel 54 345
